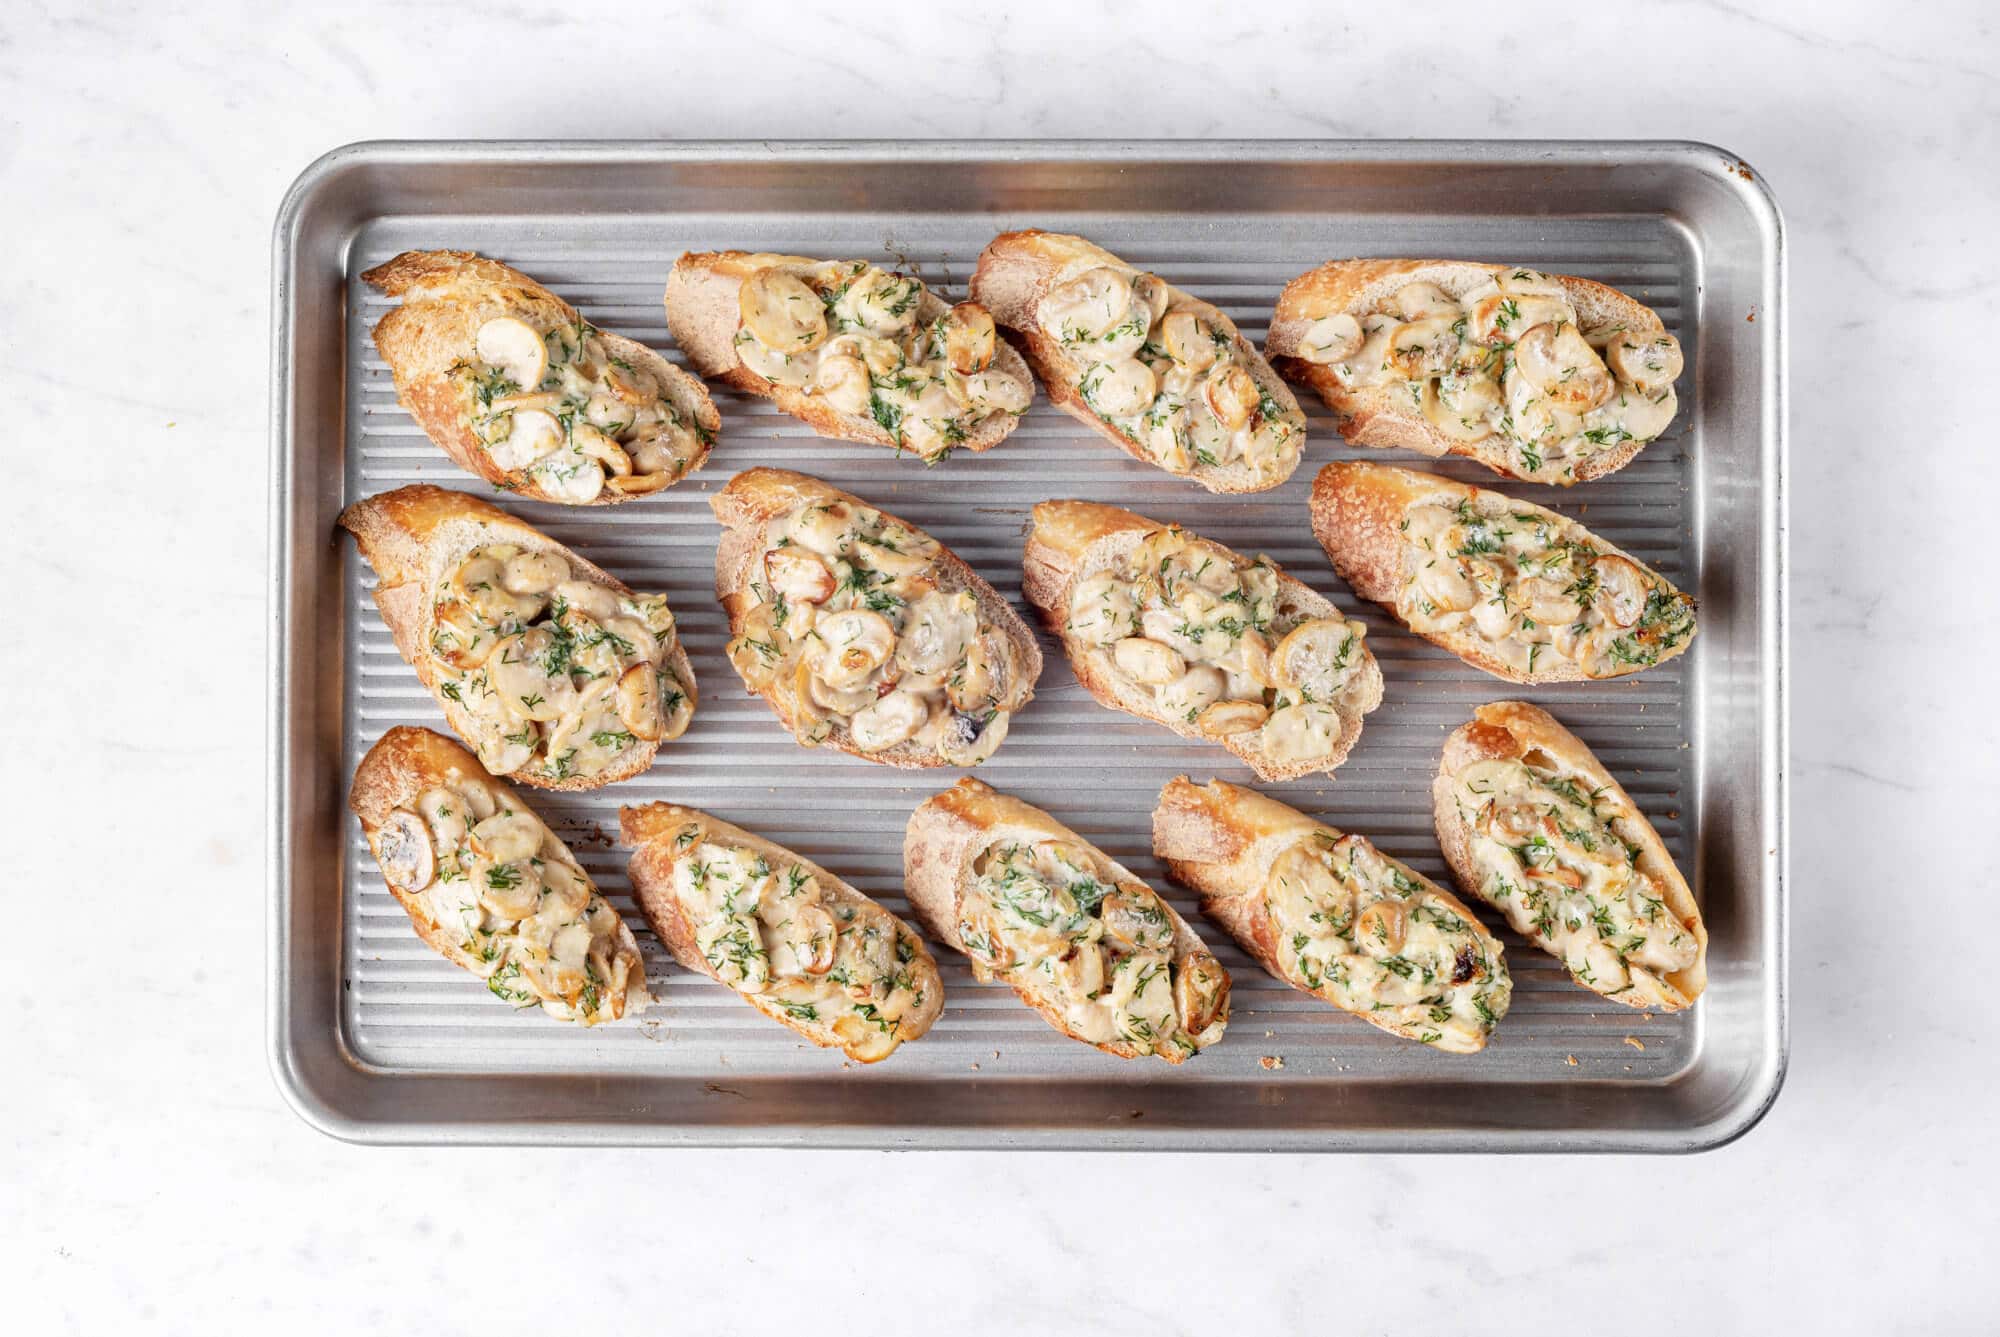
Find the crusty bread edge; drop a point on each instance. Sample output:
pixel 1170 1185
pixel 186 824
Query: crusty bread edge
pixel 750 500
pixel 945 837
pixel 1513 728
pixel 397 533
pixel 1065 539
pixel 650 830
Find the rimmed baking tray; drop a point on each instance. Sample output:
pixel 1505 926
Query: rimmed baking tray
pixel 375 1039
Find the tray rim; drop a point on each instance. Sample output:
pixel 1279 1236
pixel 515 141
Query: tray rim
pixel 322 1110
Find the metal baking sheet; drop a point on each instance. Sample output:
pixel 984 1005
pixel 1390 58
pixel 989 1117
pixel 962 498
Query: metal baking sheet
pixel 375 1038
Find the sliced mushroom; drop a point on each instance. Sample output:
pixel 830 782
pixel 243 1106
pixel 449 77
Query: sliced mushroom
pixel 1232 395
pixel 1231 717
pixel 1147 661
pixel 1333 338
pixel 1119 389
pixel 1622 589
pixel 507 837
pixel 754 650
pixel 1441 584
pixel 798 575
pixel 1424 301
pixel 969 738
pixel 566 887
pixel 1135 919
pixel 514 348
pixel 892 720
pixel 1303 894
pixel 639 702
pixel 1151 295
pixel 1647 362
pixel 1102 609
pixel 805 940
pixel 532 435
pixel 597 446
pixel 459 637
pixel 533 572
pixel 1317 656
pixel 1201 992
pixel 1301 731
pixel 519 671
pixel 403 848
pixel 1504 317
pixel 1188 340
pixel 632 385
pixel 1460 406
pixel 1519 280
pixel 1381 927
pixel 894 551
pixel 980 681
pixel 1422 348
pixel 1080 973
pixel 1558 362
pixel 1193 692
pixel 845 383
pixel 968 338
pixel 936 631
pixel 882 303
pixel 996 392
pixel 794 369
pixel 573 478
pixel 511 890
pixel 1640 416
pixel 852 644
pixel 1084 313
pixel 593 600
pixel 782 311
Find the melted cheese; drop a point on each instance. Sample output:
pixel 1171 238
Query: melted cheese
pixel 882 346
pixel 1534 587
pixel 847 616
pixel 1553 855
pixel 559 676
pixel 508 894
pixel 1054 920
pixel 1211 638
pixel 828 959
pixel 1368 935
pixel 1167 378
pixel 1508 357
pixel 590 420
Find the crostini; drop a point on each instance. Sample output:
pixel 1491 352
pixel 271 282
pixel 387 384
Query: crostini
pixel 1331 915
pixel 1171 627
pixel 1161 373
pixel 858 352
pixel 1519 591
pixel 557 674
pixel 862 631
pixel 797 943
pixel 1532 824
pixel 518 388
pixel 488 886
pixel 1097 952
pixel 1541 377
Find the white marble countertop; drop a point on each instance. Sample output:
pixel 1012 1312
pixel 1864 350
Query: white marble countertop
pixel 153 1179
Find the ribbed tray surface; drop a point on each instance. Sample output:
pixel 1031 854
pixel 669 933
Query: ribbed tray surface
pixel 406 1010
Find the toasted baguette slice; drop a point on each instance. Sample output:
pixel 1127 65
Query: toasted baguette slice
pixel 1018 270
pixel 1532 824
pixel 419 538
pixel 1097 952
pixel 488 886
pixel 658 420
pixel 1074 541
pixel 1565 605
pixel 705 301
pixel 1332 916
pixel 797 943
pixel 1390 413
pixel 776 629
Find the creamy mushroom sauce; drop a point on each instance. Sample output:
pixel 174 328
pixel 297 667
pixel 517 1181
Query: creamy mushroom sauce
pixel 558 405
pixel 1166 377
pixel 1210 636
pixel 847 611
pixel 559 675
pixel 878 345
pixel 1366 934
pixel 1054 918
pixel 822 956
pixel 506 892
pixel 1553 857
pixel 1508 357
pixel 1532 586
